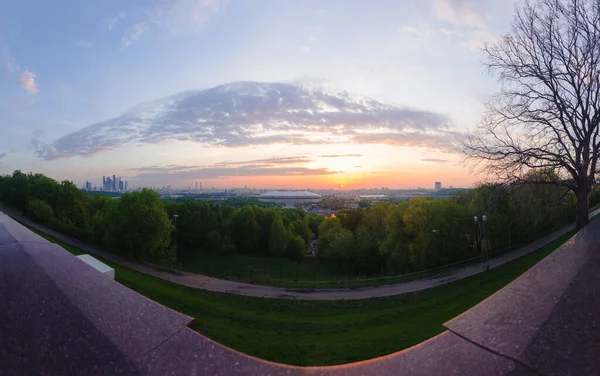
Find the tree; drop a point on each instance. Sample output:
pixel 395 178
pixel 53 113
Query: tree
pixel 351 219
pixel 547 114
pixel 138 225
pixel 277 238
pixel 314 220
pixel 295 247
pixel 264 218
pixel 40 211
pixel 364 204
pixel 188 223
pixel 367 258
pixel 337 244
pixel 300 227
pixel 244 229
pixel 394 248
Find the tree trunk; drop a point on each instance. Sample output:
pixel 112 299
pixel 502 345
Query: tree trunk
pixel 582 208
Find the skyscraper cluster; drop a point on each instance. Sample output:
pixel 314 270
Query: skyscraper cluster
pixel 115 184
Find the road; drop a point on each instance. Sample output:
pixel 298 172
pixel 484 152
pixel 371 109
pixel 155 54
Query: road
pixel 220 285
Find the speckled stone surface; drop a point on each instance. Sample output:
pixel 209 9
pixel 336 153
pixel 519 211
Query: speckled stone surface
pixel 13 231
pixel 189 353
pixel 59 316
pixel 549 317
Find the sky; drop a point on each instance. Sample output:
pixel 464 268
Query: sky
pixel 75 74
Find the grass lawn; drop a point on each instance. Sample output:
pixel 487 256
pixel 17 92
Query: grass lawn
pixel 263 270
pixel 326 332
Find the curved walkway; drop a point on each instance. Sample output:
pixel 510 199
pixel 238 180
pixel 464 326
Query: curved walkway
pixel 220 285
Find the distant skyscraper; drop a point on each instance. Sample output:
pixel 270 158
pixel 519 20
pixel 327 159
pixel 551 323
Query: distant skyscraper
pixel 116 184
pixel 438 185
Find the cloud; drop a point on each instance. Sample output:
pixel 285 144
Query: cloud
pixel 452 33
pixel 477 39
pixel 423 31
pixel 473 29
pixel 2 155
pixel 435 160
pixel 446 141
pixel 270 161
pixel 340 155
pixel 9 68
pixel 305 49
pixel 262 163
pixel 176 173
pixel 85 44
pixel 252 113
pixel 27 81
pixel 174 17
pixel 460 12
pixel 418 31
pixel 136 31
pixel 180 15
pixel 113 21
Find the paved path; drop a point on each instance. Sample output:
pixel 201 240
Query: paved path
pixel 220 285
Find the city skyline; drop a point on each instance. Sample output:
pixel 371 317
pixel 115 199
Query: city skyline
pixel 90 186
pixel 61 110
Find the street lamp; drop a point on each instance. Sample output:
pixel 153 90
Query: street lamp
pixel 175 216
pixel 481 248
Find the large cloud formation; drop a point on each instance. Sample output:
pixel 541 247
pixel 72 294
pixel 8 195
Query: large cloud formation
pixel 275 166
pixel 253 113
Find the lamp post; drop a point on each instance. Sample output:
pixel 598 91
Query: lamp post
pixel 175 216
pixel 481 248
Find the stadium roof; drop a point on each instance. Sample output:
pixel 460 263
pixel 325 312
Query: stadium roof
pixel 290 194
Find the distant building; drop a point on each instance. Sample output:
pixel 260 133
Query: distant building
pixel 116 184
pixel 373 198
pixel 290 197
pixel 438 185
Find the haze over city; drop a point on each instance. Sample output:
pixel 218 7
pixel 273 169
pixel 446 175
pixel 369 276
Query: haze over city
pixel 238 93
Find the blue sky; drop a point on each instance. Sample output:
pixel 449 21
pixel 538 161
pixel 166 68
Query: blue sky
pixel 65 65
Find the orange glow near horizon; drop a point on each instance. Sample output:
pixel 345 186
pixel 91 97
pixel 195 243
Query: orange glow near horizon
pixel 388 179
pixel 332 166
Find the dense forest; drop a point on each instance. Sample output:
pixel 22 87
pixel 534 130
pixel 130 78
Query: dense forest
pixel 382 238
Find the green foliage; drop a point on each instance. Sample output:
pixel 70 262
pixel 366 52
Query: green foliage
pixel 333 203
pixel 336 244
pixel 244 229
pixel 351 219
pixel 277 239
pixel 40 211
pixel 138 226
pixel 364 204
pixel 300 227
pixel 295 247
pixel 314 220
pixel 382 238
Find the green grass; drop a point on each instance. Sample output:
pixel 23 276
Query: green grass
pixel 326 332
pixel 263 270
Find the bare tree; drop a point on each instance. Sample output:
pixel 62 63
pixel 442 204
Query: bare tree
pixel 546 116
